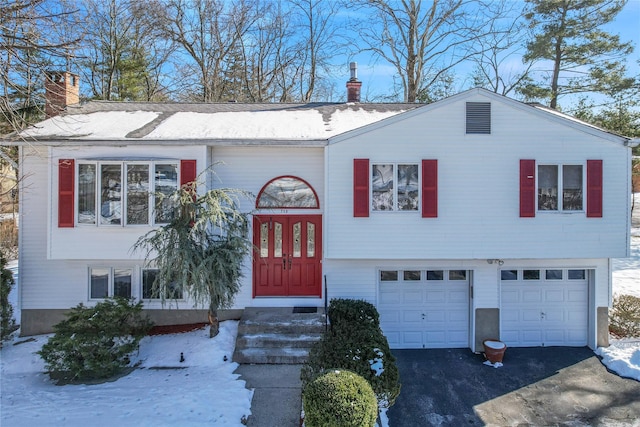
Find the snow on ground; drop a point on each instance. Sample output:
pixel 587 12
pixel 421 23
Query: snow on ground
pixel 202 391
pixel 205 391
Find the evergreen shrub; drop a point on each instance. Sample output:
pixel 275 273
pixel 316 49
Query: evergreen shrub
pixel 624 319
pixel 7 322
pixel 95 342
pixel 339 398
pixel 356 343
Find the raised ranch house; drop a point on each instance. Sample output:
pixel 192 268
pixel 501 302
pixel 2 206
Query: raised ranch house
pixel 470 218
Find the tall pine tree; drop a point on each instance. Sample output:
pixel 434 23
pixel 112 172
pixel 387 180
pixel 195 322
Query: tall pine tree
pixel 583 57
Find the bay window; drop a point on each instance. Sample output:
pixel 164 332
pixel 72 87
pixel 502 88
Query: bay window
pixel 122 193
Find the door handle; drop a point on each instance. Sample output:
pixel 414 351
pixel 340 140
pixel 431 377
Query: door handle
pixel 284 261
pixel 289 261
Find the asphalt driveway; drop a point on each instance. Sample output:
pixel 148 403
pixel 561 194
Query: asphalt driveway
pixel 536 386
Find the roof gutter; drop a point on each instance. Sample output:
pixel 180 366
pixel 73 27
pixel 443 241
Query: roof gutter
pixel 633 143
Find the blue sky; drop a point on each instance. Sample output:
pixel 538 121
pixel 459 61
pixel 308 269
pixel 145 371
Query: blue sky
pixel 377 78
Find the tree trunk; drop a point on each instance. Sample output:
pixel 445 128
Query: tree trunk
pixel 213 322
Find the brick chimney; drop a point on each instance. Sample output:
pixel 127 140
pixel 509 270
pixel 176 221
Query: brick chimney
pixel 353 85
pixel 61 89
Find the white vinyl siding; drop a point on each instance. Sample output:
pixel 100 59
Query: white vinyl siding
pixel 478 189
pixel 250 168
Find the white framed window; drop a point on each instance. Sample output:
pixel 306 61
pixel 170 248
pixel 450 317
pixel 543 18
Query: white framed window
pixel 125 193
pixel 149 276
pixel 107 282
pixel 395 187
pixel 560 188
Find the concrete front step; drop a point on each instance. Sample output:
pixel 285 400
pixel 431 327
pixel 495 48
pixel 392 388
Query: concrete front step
pixel 277 335
pixel 276 340
pixel 274 356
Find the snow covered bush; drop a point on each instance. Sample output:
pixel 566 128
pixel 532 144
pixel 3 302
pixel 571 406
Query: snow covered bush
pixel 356 343
pixel 339 398
pixel 624 319
pixel 7 322
pixel 95 342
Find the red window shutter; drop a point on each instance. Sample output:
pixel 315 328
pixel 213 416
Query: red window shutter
pixel 360 188
pixel 594 189
pixel 527 188
pixel 429 188
pixel 187 171
pixel 66 197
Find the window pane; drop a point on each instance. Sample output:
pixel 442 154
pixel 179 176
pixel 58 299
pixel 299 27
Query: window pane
pixel 408 187
pixel 411 275
pixel 435 275
pixel 509 274
pixel 388 276
pixel 122 283
pixel 297 236
pixel 457 274
pixel 99 283
pixel 111 194
pixel 148 279
pixel 166 182
pixel 287 192
pixel 277 240
pixel 86 194
pixel 311 239
pixel 572 187
pixel 174 291
pixel 137 194
pixel 548 187
pixel 577 275
pixel 264 240
pixel 382 187
pixel 553 274
pixel 531 274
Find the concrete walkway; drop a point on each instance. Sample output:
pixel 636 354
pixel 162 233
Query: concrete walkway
pixel 277 400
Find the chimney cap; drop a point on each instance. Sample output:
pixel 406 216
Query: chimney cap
pixel 353 66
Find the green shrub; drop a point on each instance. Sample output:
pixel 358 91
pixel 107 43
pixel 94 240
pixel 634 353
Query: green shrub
pixel 347 313
pixel 339 398
pixel 7 322
pixel 95 342
pixel 356 343
pixel 624 319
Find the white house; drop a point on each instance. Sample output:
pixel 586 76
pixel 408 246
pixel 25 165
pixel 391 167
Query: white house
pixel 470 218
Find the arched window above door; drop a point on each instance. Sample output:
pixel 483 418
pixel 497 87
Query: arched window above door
pixel 287 192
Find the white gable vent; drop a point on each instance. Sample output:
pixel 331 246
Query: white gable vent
pixel 479 117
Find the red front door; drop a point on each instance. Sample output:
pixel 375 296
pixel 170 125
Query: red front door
pixel 287 257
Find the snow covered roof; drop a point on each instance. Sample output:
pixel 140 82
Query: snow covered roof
pixel 100 120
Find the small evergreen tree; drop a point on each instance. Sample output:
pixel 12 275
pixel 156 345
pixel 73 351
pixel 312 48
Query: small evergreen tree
pixel 7 322
pixel 202 249
pixel 95 342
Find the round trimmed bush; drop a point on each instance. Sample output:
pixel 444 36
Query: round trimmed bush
pixel 339 398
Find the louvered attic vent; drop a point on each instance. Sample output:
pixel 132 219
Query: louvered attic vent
pixel 479 117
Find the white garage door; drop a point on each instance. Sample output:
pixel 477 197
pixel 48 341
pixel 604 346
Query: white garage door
pixel 424 308
pixel 544 307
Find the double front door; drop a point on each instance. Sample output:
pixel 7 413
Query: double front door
pixel 287 257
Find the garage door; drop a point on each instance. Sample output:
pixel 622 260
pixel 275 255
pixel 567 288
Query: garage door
pixel 424 308
pixel 544 307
